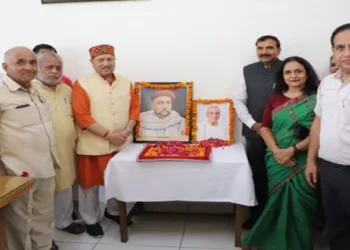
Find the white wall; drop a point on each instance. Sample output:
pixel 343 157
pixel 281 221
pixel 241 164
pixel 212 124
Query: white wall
pixel 171 40
pixel 207 41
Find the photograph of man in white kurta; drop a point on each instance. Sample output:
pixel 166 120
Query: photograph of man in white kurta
pixel 163 112
pixel 215 124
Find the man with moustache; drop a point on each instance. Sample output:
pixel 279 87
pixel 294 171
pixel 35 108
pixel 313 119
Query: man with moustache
pixel 58 95
pixel 329 147
pixel 27 146
pixel 162 120
pixel 106 110
pixel 251 94
pixel 45 48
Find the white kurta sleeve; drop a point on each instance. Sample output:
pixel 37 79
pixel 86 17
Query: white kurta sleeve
pixel 240 100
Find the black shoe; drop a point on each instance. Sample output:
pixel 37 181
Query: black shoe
pixel 248 224
pixel 115 218
pixel 74 228
pixel 54 246
pixel 94 230
pixel 74 216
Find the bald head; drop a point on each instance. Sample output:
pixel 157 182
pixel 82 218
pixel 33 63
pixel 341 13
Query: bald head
pixel 20 65
pixel 14 52
pixel 213 114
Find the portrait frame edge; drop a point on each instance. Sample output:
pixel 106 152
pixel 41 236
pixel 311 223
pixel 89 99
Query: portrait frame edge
pixel 166 85
pixel 196 102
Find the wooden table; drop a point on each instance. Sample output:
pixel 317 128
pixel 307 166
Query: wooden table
pixel 10 189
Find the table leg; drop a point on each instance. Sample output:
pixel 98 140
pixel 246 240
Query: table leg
pixel 2 234
pixel 238 225
pixel 123 221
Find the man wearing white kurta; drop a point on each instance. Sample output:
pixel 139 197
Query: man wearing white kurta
pixel 162 120
pixel 212 128
pixel 27 145
pixel 58 95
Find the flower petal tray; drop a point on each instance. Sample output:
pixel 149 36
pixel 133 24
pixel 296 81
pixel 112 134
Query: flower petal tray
pixel 175 151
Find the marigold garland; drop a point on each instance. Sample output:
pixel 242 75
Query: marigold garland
pixel 189 85
pixel 208 102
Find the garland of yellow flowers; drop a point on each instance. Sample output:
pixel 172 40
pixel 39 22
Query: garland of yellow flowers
pixel 208 102
pixel 182 84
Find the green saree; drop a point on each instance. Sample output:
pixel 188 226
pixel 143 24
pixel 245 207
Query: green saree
pixel 289 217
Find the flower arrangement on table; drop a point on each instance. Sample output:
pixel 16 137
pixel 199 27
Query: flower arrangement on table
pixel 173 87
pixel 206 112
pixel 175 151
pixel 214 143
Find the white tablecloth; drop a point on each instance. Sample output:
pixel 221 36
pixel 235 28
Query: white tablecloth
pixel 227 178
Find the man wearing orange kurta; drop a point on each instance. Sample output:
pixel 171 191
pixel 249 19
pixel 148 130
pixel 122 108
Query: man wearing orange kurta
pixel 106 110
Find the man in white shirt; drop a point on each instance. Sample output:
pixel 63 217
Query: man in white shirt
pixel 211 128
pixel 250 97
pixel 162 120
pixel 28 148
pixel 330 143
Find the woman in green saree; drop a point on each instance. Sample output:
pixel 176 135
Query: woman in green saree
pixel 288 220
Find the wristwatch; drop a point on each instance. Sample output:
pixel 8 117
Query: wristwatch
pixel 296 150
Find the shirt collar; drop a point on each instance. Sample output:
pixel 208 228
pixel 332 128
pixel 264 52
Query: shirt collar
pixel 14 86
pixel 268 66
pixel 11 84
pixel 46 87
pixel 339 74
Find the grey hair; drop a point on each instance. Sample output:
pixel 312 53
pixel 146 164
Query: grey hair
pixel 41 56
pixel 7 57
pixel 211 106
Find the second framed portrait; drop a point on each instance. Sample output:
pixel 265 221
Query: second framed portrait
pixel 213 119
pixel 165 111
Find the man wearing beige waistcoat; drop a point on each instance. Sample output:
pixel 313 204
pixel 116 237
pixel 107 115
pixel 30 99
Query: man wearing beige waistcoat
pixel 27 146
pixel 106 110
pixel 58 95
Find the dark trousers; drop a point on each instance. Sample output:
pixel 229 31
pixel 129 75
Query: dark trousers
pixel 335 188
pixel 256 151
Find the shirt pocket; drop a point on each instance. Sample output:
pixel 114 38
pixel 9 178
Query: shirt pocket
pixel 27 116
pixel 327 99
pixel 65 107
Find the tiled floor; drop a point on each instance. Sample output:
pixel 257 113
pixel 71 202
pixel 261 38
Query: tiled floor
pixel 160 232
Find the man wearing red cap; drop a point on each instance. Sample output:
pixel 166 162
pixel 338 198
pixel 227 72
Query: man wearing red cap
pixel 106 110
pixel 162 120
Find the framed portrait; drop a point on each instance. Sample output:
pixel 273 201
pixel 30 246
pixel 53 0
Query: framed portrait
pixel 165 111
pixel 77 1
pixel 213 119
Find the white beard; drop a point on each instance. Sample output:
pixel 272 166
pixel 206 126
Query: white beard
pixel 51 83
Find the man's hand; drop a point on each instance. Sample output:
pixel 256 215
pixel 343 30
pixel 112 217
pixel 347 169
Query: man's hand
pixel 256 127
pixel 116 139
pixel 126 133
pixel 311 174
